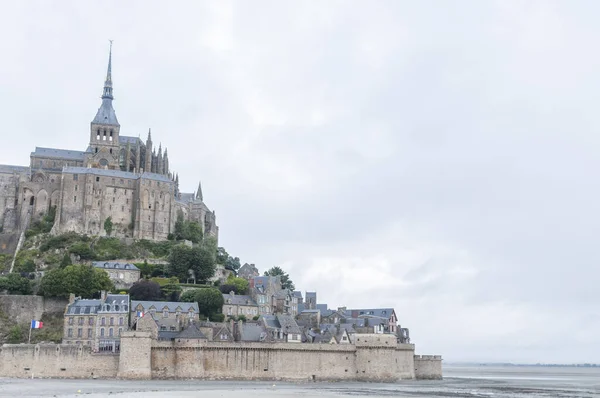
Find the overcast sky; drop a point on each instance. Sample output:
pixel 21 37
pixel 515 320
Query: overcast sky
pixel 436 157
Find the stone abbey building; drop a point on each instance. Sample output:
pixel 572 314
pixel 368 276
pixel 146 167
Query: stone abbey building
pixel 117 176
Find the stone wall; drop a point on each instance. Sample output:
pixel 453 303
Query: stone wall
pixel 23 309
pixel 428 367
pixel 55 360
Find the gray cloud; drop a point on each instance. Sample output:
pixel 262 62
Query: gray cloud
pixel 438 158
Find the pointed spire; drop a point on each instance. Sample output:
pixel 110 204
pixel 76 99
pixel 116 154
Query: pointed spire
pixel 160 149
pixel 166 152
pixel 108 94
pixel 199 192
pixel 149 135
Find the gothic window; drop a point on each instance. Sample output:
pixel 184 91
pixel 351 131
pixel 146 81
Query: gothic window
pixel 111 136
pixel 110 151
pixel 75 177
pixel 104 136
pixel 76 187
pixel 96 149
pixel 103 162
pixel 97 179
pixel 97 138
pixel 74 198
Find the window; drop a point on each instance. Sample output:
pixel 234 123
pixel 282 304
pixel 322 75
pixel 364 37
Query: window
pixel 121 181
pixel 102 332
pixel 114 198
pixel 96 149
pixel 75 177
pixel 70 320
pixel 165 313
pixel 120 330
pixel 121 321
pixel 90 321
pixel 76 187
pixel 79 332
pixel 89 333
pixel 112 321
pixel 103 321
pixel 97 179
pixel 74 198
pixel 110 332
pixel 80 320
pixel 70 332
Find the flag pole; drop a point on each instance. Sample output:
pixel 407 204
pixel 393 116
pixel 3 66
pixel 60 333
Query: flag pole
pixel 30 326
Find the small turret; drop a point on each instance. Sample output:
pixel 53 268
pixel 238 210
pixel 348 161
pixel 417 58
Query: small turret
pixel 199 192
pixel 148 165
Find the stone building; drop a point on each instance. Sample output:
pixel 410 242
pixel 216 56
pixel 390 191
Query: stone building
pixel 96 322
pixel 248 271
pixel 170 316
pixel 123 275
pixel 263 289
pixel 117 176
pixel 237 304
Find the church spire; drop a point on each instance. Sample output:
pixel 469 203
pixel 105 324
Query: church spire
pixel 108 94
pixel 199 192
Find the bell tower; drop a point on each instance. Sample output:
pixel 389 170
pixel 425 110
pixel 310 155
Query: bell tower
pixel 104 130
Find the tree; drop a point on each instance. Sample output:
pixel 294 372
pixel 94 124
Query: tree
pixel 171 290
pixel 108 226
pixel 187 230
pixel 239 285
pixel 15 284
pixel 210 300
pixel 199 259
pixel 81 280
pixel 286 282
pixel 145 289
pixel 226 260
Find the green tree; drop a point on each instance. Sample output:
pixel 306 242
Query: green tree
pixel 210 300
pixel 187 230
pixel 199 259
pixel 66 260
pixel 240 284
pixel 108 226
pixel 171 290
pixel 226 260
pixel 146 290
pixel 286 282
pixel 81 280
pixel 15 284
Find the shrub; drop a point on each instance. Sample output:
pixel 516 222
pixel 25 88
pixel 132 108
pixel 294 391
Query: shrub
pixel 15 335
pixel 83 250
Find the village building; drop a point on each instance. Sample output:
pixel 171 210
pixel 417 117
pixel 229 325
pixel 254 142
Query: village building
pixel 123 275
pixel 235 305
pixel 170 316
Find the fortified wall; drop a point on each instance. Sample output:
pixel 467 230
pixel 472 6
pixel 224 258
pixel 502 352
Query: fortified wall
pixel 374 358
pixel 23 308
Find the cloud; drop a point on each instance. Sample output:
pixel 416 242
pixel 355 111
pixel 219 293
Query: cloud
pixel 437 159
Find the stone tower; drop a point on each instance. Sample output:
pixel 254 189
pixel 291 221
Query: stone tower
pixel 104 131
pixel 148 166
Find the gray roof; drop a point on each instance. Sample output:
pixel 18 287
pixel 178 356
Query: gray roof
pixel 114 265
pixel 157 177
pixel 117 299
pixel 186 197
pixel 159 305
pixel 84 306
pixel 191 332
pixel 298 294
pixel 100 172
pixel 9 169
pixel 271 321
pixel 288 324
pixel 379 312
pixel 106 113
pixel 124 140
pixel 58 154
pixel 237 299
pixel 252 331
pixel 167 334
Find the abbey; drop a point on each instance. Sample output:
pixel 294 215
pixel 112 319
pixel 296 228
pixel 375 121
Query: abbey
pixel 117 176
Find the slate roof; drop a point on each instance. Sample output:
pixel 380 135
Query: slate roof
pixel 114 265
pixel 58 154
pixel 288 324
pixel 252 331
pixel 123 139
pixel 100 172
pixel 106 113
pixel 84 306
pixel 167 334
pixel 297 294
pixel 117 299
pixel 237 299
pixel 156 177
pixel 191 332
pixel 186 197
pixel 379 312
pixel 9 169
pixel 159 305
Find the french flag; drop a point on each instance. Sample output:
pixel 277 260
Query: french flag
pixel 36 324
pixel 140 314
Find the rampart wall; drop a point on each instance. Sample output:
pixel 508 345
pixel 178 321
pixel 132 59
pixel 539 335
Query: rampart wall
pixel 55 360
pixel 428 367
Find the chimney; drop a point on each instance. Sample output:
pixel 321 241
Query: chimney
pixel 103 295
pixel 71 298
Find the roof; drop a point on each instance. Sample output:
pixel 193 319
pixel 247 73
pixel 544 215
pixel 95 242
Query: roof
pixel 58 153
pixel 379 312
pixel 186 197
pixel 311 294
pixel 288 324
pixel 100 172
pixel 191 332
pixel 237 299
pixel 160 305
pixel 123 139
pixel 167 334
pixel 84 306
pixel 157 177
pixel 251 331
pixel 117 298
pixel 322 307
pixel 9 169
pixel 114 265
pixel 106 113
pixel 297 294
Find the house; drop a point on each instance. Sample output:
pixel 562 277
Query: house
pixel 312 316
pixel 282 328
pixel 149 322
pixel 235 305
pixel 170 316
pixel 284 302
pixel 248 271
pixel 122 274
pixel 389 323
pixel 262 289
pixel 253 332
pixel 310 301
pixel 97 322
